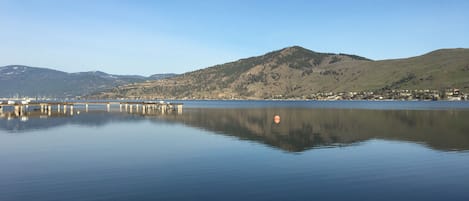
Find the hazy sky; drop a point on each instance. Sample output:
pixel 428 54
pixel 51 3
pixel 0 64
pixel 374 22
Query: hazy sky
pixel 148 37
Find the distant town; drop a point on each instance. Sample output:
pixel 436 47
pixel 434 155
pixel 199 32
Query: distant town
pixel 403 94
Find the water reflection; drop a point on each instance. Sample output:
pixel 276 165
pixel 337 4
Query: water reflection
pixel 36 120
pixel 295 131
pixel 302 129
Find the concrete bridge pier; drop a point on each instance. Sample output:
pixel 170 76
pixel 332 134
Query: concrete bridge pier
pixel 17 110
pixel 58 107
pixel 163 109
pixel 21 110
pixel 179 109
pixel 86 107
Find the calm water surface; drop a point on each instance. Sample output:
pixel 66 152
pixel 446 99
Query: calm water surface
pixel 218 150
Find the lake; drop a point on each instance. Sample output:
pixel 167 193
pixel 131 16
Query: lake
pixel 233 150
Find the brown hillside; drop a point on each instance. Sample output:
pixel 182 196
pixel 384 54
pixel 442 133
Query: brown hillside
pixel 299 72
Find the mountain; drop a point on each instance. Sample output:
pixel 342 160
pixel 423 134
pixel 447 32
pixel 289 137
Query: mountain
pixel 32 81
pixel 299 72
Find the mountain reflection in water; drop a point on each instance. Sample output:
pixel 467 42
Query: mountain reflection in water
pixel 300 128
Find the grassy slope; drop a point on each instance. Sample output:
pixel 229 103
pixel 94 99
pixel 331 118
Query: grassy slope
pixel 296 72
pixel 435 70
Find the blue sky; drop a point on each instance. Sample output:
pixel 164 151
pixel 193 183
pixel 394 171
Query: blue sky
pixel 148 37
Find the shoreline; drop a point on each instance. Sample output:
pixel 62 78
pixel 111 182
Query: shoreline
pixel 176 99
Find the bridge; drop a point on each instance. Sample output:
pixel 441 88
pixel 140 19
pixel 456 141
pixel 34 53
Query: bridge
pixel 21 107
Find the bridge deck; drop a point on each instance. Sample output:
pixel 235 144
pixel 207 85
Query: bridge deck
pixel 129 106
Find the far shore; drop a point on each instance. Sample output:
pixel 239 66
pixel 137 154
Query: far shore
pixel 246 99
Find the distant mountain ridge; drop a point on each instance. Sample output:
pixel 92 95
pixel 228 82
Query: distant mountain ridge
pixel 296 72
pixel 292 72
pixel 20 80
